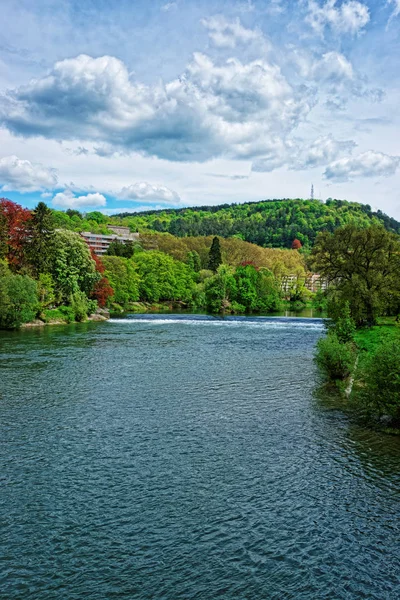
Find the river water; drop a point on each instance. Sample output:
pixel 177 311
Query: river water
pixel 183 457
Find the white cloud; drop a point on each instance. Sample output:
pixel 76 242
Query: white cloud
pixel 231 109
pixel 169 6
pixel 367 164
pixel 333 67
pixel 67 199
pixel 347 18
pixel 149 193
pixel 24 176
pixel 396 9
pixel 301 155
pixel 227 34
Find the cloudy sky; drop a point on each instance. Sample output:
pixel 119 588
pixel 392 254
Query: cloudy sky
pixel 137 104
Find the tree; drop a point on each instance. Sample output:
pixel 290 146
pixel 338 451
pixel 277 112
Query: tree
pixel 41 238
pixel 163 278
pixel 296 244
pixel 220 289
pixel 118 248
pixel 123 278
pixel 362 266
pixel 17 231
pixel 102 290
pixel 214 257
pixel 18 300
pixel 193 260
pixel 72 268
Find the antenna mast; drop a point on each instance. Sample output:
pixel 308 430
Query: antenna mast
pixel 312 192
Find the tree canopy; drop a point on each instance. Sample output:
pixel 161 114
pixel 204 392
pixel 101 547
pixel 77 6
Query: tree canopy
pixel 363 265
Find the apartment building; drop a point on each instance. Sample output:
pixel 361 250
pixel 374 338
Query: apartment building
pixel 100 242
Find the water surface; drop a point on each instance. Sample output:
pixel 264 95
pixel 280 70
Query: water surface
pixel 182 457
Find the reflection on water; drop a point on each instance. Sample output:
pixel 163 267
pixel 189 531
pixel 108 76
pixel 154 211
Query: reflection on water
pixel 182 456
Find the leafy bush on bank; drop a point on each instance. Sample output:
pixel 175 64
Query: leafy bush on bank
pixel 334 358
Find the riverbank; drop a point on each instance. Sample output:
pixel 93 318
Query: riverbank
pixel 369 387
pixel 58 317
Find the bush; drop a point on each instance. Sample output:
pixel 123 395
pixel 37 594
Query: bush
pixel 334 358
pixel 341 322
pixel 62 313
pixel 19 301
pixel 380 392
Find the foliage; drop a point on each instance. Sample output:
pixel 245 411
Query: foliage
pixel 72 267
pixel 341 322
pixel 379 394
pixel 163 278
pixel 334 358
pixel 193 260
pixel 363 266
pixel 214 257
pixel 39 246
pixel 46 292
pixel 256 290
pixel 81 305
pixel 62 313
pixel 123 278
pixel 296 244
pixel 274 223
pixel 18 300
pixel 118 248
pixel 15 232
pixel 220 289
pixel 102 290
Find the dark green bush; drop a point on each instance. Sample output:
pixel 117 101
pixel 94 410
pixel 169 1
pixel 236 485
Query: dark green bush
pixel 334 358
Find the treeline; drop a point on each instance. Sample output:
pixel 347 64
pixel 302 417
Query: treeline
pixel 50 273
pixel 274 223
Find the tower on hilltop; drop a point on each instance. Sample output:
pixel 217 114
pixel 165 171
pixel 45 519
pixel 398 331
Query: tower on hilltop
pixel 312 192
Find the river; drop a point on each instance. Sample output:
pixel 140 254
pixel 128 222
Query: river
pixel 182 457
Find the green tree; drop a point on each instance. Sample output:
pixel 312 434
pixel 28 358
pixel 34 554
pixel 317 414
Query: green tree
pixel 220 289
pixel 118 248
pixel 47 296
pixel 18 300
pixel 362 266
pixel 41 238
pixel 163 278
pixel 214 257
pixel 72 267
pixel 123 277
pixel 194 261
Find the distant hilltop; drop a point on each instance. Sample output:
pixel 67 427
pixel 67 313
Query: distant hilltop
pixel 269 223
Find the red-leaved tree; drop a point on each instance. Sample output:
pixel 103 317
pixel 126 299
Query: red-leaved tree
pixel 296 244
pixel 102 290
pixel 16 222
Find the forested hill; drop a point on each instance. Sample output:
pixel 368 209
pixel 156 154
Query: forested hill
pixel 274 223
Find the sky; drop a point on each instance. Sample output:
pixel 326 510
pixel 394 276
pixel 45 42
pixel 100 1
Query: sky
pixel 139 104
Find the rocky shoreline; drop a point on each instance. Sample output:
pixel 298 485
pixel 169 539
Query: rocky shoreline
pixel 101 314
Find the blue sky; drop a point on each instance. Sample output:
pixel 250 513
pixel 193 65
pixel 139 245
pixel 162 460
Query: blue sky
pixel 132 105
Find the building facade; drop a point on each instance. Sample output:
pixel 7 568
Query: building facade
pixel 100 242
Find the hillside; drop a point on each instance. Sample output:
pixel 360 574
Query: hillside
pixel 274 223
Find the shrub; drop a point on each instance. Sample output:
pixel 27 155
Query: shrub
pixel 18 300
pixel 334 358
pixel 380 393
pixel 341 322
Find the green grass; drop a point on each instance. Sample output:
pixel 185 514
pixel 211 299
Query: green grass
pixel 369 338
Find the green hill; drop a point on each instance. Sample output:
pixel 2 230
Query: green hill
pixel 271 223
